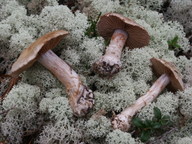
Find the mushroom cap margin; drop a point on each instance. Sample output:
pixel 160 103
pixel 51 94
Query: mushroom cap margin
pixel 31 54
pixel 137 35
pixel 161 67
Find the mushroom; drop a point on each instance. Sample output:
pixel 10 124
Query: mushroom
pixel 123 32
pixel 80 97
pixel 169 75
pixel 29 55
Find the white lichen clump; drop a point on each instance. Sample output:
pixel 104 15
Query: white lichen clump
pixel 22 106
pixel 39 101
pixel 152 4
pixel 180 10
pixel 185 140
pixel 186 103
pixel 97 128
pixel 119 137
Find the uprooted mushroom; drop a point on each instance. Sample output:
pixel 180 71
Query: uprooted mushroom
pixel 28 56
pixel 123 32
pixel 80 97
pixel 169 76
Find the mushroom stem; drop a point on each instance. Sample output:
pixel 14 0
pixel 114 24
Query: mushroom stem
pixel 110 64
pixel 80 97
pixel 113 51
pixel 123 120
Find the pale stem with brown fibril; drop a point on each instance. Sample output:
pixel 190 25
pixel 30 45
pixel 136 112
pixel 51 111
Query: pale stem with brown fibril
pixel 80 97
pixel 112 55
pixel 123 120
pixel 113 51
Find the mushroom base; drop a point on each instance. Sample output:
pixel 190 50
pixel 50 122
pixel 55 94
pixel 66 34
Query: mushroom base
pixel 121 122
pixel 110 64
pixel 107 68
pixel 82 102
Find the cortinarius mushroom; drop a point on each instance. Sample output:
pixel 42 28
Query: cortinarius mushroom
pixel 30 55
pixel 168 75
pixel 123 32
pixel 80 97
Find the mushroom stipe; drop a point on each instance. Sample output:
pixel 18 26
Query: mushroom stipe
pixel 81 98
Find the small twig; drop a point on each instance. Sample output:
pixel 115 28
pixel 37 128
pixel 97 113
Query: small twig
pixel 6 111
pixel 13 81
pixel 162 137
pixel 30 132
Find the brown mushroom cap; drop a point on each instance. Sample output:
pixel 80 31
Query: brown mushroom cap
pixel 137 35
pixel 31 54
pixel 161 67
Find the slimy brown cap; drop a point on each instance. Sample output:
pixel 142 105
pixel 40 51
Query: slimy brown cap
pixel 161 67
pixel 31 54
pixel 137 35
